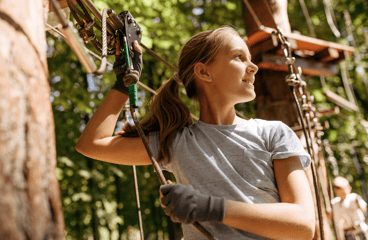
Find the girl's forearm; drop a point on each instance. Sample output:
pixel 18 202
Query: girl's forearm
pixel 103 121
pixel 273 220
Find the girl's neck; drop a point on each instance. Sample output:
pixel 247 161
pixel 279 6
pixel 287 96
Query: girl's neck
pixel 217 110
pixel 218 115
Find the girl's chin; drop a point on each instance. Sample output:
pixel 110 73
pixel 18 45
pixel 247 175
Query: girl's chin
pixel 248 98
pixel 251 96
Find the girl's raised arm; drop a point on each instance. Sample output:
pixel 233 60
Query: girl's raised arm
pixel 97 141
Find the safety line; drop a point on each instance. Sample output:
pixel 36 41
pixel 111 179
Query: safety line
pixel 329 17
pixel 158 170
pixel 55 30
pixel 290 70
pixel 254 15
pixel 307 17
pixel 138 202
pixel 102 68
pixel 96 44
pixel 292 80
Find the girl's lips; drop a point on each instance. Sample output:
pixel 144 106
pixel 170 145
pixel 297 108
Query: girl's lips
pixel 248 81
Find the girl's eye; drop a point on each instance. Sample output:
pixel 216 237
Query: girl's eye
pixel 238 56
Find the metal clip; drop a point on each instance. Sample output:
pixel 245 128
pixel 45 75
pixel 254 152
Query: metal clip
pixel 290 60
pixel 292 80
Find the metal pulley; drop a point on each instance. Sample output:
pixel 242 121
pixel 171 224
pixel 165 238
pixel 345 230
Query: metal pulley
pixel 127 34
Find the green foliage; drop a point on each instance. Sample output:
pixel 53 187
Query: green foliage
pixel 98 198
pixel 346 132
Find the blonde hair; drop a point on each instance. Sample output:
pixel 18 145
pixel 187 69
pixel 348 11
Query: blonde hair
pixel 168 113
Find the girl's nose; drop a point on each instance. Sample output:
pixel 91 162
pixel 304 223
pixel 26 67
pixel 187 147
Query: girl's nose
pixel 252 68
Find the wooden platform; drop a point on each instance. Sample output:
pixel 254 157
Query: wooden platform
pixel 315 56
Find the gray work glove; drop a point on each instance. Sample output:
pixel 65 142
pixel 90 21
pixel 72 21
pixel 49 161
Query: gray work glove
pixel 186 205
pixel 125 78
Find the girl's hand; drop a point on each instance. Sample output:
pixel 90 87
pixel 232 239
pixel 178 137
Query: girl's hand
pixel 186 205
pixel 124 77
pixel 161 195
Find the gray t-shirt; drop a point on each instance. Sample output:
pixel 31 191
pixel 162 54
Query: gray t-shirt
pixel 230 161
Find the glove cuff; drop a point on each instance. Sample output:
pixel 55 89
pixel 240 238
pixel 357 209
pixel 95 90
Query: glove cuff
pixel 213 209
pixel 119 85
pixel 216 209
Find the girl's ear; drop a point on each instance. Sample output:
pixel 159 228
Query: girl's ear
pixel 201 72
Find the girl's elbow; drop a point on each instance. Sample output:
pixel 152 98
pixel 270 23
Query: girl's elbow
pixel 309 230
pixel 304 224
pixel 81 147
pixel 302 232
pixel 308 227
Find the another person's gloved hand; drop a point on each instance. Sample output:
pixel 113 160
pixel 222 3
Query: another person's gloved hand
pixel 184 204
pixel 124 79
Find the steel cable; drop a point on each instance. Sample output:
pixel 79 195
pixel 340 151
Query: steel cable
pixel 140 222
pixel 292 80
pixel 314 171
pixel 158 170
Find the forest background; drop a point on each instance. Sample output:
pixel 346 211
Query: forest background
pixel 98 198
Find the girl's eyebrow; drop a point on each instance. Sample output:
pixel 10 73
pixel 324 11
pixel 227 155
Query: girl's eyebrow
pixel 240 50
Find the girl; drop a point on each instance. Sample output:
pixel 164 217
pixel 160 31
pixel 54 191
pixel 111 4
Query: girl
pixel 243 178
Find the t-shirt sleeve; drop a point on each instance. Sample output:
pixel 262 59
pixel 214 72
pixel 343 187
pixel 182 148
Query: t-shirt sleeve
pixel 154 139
pixel 360 201
pixel 285 144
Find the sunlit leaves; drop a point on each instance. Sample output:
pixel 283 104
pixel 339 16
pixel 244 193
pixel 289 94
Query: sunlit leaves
pixel 97 193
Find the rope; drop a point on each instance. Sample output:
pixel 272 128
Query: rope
pixel 87 23
pixel 309 127
pixel 111 65
pixel 349 27
pixel 74 10
pixel 97 14
pixel 307 18
pixel 87 16
pixel 98 46
pixel 347 86
pixel 269 11
pixel 176 70
pixel 157 168
pixel 51 28
pixel 102 68
pixel 138 202
pixel 58 13
pixel 329 17
pixel 292 80
pixel 86 27
pixel 313 168
pixel 159 58
pixel 107 28
pixel 253 14
pixel 139 129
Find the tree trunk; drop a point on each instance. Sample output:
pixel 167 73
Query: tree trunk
pixel 30 196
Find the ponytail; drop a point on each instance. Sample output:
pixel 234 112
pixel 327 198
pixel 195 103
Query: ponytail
pixel 168 115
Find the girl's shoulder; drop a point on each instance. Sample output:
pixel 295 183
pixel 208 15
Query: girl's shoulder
pixel 271 126
pixel 271 123
pixel 247 125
